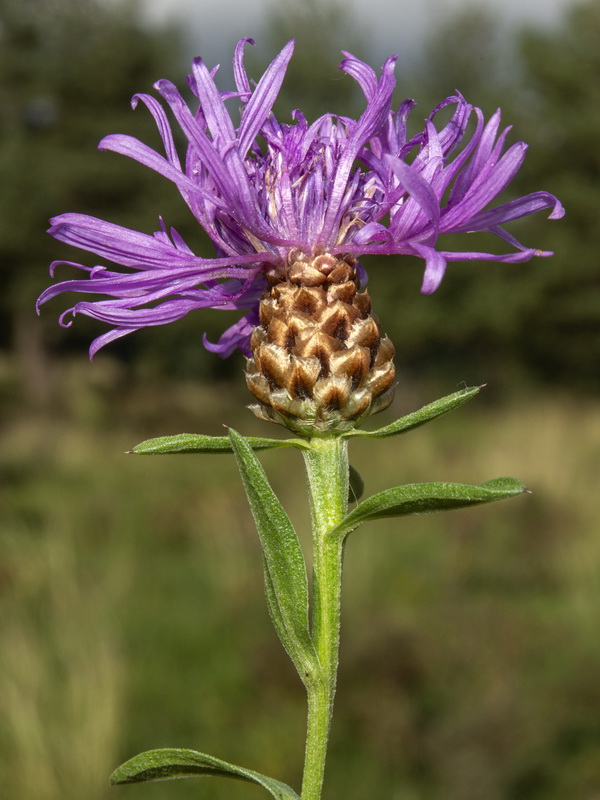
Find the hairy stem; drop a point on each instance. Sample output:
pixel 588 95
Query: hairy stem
pixel 327 468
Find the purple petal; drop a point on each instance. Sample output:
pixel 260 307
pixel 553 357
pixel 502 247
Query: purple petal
pixel 378 107
pixel 507 258
pixel 435 267
pixel 262 100
pixel 131 147
pixel 106 338
pixel 515 209
pixel 162 123
pixel 476 198
pixel 236 336
pixel 239 71
pixel 134 249
pixel 420 190
pixel 213 108
pixel 362 73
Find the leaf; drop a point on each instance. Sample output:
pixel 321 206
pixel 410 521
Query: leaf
pixel 430 412
pixel 286 585
pixel 160 765
pixel 423 498
pixel 199 443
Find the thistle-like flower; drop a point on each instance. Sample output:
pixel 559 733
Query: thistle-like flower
pixel 290 208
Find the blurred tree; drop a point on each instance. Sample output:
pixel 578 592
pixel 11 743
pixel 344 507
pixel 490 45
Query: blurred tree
pixel 469 51
pixel 529 322
pixel 67 73
pixel 561 119
pixel 322 29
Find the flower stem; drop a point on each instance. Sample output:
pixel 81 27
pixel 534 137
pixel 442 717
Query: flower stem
pixel 327 468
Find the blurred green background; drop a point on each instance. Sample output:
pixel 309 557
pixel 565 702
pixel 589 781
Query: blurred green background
pixel 131 610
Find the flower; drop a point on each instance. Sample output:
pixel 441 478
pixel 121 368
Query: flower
pixel 267 192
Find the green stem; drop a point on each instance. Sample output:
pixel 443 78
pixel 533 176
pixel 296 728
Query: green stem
pixel 327 468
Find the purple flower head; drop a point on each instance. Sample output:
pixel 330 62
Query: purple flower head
pixel 339 185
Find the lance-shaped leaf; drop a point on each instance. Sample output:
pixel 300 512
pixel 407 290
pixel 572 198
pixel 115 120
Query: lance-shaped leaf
pixel 160 765
pixel 423 498
pixel 429 412
pixel 199 443
pixel 286 585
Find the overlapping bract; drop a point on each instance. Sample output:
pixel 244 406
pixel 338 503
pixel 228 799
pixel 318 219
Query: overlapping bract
pixel 339 186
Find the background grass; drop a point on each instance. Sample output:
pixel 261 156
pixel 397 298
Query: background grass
pixel 132 614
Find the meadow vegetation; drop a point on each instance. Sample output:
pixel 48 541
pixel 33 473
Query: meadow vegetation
pixel 132 614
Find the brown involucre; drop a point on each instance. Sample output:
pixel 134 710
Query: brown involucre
pixel 319 362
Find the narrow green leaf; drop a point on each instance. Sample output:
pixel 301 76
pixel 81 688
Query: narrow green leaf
pixel 423 498
pixel 198 443
pixel 279 623
pixel 420 417
pixel 286 585
pixel 160 765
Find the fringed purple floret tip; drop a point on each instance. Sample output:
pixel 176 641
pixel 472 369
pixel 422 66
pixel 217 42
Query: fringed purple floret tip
pixel 339 186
